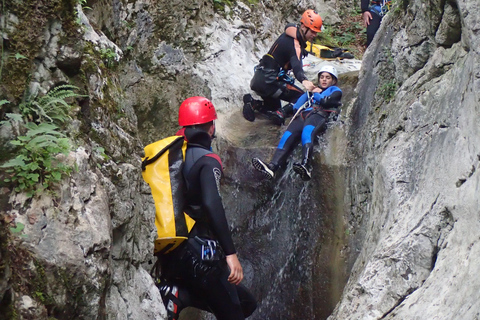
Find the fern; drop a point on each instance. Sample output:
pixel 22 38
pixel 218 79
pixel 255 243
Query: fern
pixel 35 168
pixel 51 107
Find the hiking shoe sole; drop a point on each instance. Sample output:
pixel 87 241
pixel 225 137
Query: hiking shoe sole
pixel 248 112
pixel 302 171
pixel 263 168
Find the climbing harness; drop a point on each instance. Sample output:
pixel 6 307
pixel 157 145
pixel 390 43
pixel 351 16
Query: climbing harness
pixel 308 102
pixel 283 76
pixel 380 7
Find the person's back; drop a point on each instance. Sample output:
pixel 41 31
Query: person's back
pixel 204 272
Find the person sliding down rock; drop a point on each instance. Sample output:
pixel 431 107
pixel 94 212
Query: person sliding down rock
pixel 271 80
pixel 204 271
pixel 312 113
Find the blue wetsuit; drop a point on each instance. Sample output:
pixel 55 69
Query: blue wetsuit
pixel 308 124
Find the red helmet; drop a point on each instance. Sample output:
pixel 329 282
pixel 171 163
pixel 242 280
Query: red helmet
pixel 312 20
pixel 196 110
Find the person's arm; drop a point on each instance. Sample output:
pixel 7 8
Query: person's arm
pixel 366 15
pixel 364 5
pixel 300 101
pixel 210 176
pixel 330 98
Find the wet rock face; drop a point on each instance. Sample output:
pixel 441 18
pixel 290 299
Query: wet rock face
pixel 405 178
pixel 415 170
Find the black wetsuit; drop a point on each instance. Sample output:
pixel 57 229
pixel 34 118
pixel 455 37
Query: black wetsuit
pixel 285 54
pixel 206 282
pixel 375 9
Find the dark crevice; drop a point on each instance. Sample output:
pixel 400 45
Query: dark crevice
pixel 399 301
pixel 394 132
pixel 461 181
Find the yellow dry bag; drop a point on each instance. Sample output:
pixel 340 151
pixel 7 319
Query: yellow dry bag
pixel 162 169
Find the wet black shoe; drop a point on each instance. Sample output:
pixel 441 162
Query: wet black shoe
pixel 248 111
pixel 304 170
pixel 171 301
pixel 276 117
pixel 267 170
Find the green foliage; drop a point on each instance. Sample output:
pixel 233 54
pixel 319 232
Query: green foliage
pixel 18 229
pixel 220 4
pixel 51 107
pixel 387 90
pixel 83 3
pixel 335 37
pixel 35 168
pixel 108 56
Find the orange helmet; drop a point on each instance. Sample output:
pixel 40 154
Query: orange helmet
pixel 312 20
pixel 196 110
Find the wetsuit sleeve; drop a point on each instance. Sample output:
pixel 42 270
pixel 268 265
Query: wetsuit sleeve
pixel 330 98
pixel 210 175
pixel 296 62
pixel 364 5
pixel 303 98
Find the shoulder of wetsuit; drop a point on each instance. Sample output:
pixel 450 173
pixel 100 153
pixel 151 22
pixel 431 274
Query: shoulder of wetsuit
pixel 291 30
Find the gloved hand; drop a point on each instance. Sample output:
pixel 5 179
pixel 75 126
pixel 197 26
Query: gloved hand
pixel 327 102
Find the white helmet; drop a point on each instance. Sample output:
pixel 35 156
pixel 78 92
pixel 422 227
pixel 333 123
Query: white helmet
pixel 329 69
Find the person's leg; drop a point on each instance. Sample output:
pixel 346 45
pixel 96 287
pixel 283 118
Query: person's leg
pixel 272 108
pixel 373 26
pixel 287 143
pixel 247 300
pixel 249 107
pixel 314 125
pixel 220 295
pixel 291 93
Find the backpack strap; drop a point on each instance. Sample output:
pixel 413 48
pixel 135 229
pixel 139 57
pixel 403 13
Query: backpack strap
pixel 148 161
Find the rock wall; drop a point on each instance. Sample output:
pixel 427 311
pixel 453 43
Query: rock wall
pixel 414 179
pixel 407 164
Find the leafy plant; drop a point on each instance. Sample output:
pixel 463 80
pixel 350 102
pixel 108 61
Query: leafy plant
pixel 51 107
pixel 36 168
pixel 387 90
pixel 18 229
pixel 108 56
pixel 83 3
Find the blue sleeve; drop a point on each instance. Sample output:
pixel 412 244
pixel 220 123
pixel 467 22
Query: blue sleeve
pixel 300 101
pixel 317 97
pixel 325 93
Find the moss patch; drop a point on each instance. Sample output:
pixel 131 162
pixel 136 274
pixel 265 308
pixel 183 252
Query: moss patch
pixel 27 37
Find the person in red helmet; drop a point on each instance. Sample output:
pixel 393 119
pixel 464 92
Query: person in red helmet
pixel 271 80
pixel 204 271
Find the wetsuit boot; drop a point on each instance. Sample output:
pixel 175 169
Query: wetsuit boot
pixel 267 170
pixel 304 169
pixel 174 299
pixel 249 107
pixel 277 117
